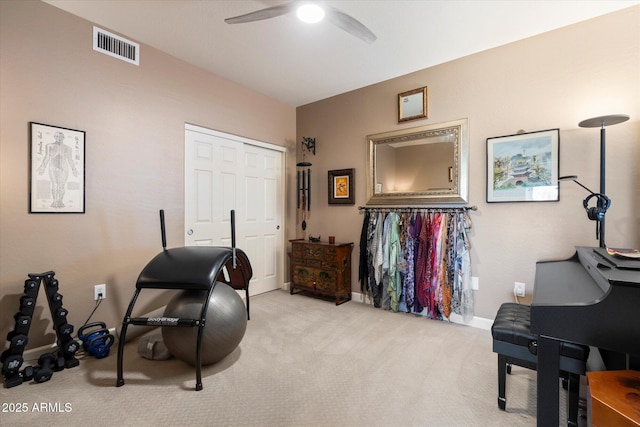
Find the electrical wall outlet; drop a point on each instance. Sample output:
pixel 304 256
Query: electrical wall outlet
pixel 475 283
pixel 99 292
pixel 519 289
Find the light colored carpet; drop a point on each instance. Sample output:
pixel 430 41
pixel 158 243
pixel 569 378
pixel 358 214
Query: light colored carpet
pixel 303 362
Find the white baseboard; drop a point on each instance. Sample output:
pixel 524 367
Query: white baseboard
pixel 475 322
pixel 33 354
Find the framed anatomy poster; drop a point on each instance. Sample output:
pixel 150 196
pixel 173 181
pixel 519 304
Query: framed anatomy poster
pixel 57 161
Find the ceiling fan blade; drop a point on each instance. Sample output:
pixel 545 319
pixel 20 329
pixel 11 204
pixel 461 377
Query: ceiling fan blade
pixel 350 25
pixel 259 15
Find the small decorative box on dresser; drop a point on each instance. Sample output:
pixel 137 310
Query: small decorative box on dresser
pixel 322 268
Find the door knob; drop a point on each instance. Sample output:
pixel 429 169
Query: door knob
pixel 189 232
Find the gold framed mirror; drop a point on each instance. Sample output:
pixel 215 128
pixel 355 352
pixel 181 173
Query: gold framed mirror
pixel 417 166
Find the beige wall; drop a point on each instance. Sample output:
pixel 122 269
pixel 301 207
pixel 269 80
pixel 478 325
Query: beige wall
pixel 134 120
pixel 554 80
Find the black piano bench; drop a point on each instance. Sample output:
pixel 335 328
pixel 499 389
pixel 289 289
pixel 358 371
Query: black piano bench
pixel 517 345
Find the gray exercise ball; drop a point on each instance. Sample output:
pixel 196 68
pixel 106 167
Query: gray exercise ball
pixel 225 325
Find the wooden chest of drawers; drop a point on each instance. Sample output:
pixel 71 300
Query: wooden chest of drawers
pixel 322 268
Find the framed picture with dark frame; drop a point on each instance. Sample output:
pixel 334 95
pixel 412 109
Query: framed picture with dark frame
pixel 57 169
pixel 341 187
pixel 523 167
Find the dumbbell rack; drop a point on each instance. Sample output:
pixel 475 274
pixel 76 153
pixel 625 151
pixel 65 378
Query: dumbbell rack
pixel 12 358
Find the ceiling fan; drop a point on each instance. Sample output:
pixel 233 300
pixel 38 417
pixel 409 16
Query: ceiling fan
pixel 333 15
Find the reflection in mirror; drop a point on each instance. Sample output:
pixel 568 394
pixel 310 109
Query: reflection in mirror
pixel 423 165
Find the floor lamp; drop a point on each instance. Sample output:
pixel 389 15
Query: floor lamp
pixel 601 122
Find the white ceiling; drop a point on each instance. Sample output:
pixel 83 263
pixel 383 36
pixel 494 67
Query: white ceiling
pixel 298 63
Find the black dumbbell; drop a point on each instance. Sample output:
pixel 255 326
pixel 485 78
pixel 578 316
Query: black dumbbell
pixel 18 378
pixel 13 380
pixel 18 342
pixel 27 373
pixel 30 284
pixel 21 327
pixel 61 313
pixel 60 363
pixel 31 288
pixel 22 319
pixel 26 304
pixel 66 329
pixel 46 364
pixel 11 364
pixel 12 334
pixel 70 347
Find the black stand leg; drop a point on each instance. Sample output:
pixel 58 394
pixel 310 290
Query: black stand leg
pixel 548 393
pixel 123 333
pixel 502 380
pixel 199 357
pixel 247 293
pixel 573 400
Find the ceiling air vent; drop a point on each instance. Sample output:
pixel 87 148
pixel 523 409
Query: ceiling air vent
pixel 116 46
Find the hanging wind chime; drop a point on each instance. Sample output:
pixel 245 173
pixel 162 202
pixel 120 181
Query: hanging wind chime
pixel 304 179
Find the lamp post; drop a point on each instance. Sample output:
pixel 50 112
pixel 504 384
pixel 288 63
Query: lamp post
pixel 601 122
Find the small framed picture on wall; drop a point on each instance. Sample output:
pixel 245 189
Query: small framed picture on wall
pixel 341 187
pixel 412 105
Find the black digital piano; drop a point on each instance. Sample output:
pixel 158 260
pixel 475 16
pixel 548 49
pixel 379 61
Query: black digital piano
pixel 593 299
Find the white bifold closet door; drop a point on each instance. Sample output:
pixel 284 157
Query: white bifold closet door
pixel 225 172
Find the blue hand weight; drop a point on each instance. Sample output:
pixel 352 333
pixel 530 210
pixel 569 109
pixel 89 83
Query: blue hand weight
pixel 97 341
pixel 99 346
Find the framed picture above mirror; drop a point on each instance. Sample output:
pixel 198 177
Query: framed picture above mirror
pixel 412 105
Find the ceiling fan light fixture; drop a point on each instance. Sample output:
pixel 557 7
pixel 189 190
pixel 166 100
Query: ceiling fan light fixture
pixel 310 13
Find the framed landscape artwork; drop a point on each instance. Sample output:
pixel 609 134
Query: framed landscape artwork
pixel 523 167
